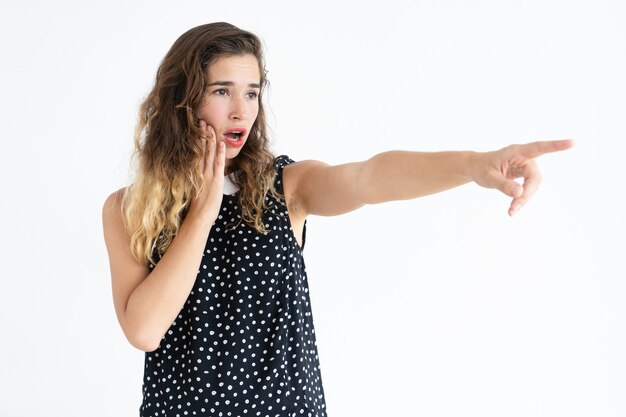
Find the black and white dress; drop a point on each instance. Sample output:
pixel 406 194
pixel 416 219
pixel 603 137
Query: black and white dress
pixel 244 343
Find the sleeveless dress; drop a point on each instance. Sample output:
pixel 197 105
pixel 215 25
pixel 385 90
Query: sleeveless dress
pixel 244 343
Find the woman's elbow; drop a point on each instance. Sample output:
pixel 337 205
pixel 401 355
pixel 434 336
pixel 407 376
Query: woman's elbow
pixel 142 340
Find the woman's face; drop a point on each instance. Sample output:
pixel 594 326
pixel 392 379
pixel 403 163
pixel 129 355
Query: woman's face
pixel 231 104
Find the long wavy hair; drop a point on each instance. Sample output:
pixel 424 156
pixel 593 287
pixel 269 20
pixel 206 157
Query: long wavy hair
pixel 168 143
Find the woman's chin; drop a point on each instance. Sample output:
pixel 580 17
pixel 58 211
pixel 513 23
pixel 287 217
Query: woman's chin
pixel 231 155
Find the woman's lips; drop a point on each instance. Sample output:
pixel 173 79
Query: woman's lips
pixel 235 137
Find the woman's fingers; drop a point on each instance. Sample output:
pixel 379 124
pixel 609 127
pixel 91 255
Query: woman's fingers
pixel 209 199
pixel 507 186
pixel 210 156
pixel 203 159
pixel 529 169
pixel 536 149
pixel 499 169
pixel 532 179
pixel 220 159
pixel 214 155
pixel 208 139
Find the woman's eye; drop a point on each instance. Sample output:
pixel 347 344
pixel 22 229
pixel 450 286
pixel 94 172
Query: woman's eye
pixel 253 94
pixel 221 91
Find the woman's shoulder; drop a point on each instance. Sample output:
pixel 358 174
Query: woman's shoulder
pixel 112 208
pixel 294 168
pixel 114 200
pixel 280 162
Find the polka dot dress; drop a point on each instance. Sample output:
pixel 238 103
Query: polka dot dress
pixel 244 343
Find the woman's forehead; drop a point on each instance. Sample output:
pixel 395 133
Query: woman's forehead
pixel 235 68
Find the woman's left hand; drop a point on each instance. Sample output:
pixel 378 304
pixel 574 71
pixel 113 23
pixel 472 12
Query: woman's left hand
pixel 499 169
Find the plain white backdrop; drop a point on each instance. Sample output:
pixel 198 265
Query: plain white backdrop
pixel 440 306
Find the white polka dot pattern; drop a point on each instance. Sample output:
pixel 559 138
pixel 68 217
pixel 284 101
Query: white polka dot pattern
pixel 244 343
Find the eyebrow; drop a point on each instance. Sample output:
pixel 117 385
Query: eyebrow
pixel 230 83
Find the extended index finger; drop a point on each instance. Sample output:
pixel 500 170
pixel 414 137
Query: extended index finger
pixel 535 149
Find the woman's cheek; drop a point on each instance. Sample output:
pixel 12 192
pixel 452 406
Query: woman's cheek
pixel 210 111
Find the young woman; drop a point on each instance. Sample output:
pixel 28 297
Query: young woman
pixel 205 246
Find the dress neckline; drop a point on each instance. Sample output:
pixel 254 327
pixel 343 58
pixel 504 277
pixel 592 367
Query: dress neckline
pixel 229 186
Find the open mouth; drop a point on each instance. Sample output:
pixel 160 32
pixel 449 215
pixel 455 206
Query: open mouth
pixel 234 137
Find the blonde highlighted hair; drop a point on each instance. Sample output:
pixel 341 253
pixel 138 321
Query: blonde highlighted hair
pixel 168 144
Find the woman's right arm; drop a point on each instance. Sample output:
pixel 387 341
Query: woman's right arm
pixel 147 302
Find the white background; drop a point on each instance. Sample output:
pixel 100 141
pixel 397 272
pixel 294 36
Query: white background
pixel 440 306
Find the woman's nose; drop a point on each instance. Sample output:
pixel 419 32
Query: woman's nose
pixel 238 108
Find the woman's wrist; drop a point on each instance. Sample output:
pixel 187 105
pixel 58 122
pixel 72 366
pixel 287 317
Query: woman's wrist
pixel 198 219
pixel 472 164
